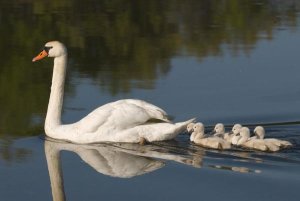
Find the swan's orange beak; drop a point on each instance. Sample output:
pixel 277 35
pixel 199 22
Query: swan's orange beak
pixel 40 56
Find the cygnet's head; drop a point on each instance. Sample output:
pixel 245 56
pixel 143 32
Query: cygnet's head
pixel 259 131
pixel 236 128
pixel 198 128
pixel 241 137
pixel 51 49
pixel 189 127
pixel 219 128
pixel 245 132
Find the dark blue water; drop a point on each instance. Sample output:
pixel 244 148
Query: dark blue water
pixel 230 62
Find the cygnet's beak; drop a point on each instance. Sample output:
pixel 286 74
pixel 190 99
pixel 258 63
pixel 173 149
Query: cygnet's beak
pixel 41 55
pixel 190 129
pixel 213 132
pixel 231 132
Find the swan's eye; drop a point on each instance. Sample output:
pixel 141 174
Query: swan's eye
pixel 47 48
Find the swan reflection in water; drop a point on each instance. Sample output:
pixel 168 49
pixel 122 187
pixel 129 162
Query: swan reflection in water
pixel 124 160
pixel 121 160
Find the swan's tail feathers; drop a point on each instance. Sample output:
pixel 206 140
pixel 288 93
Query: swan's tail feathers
pixel 163 131
pixel 185 123
pixel 181 126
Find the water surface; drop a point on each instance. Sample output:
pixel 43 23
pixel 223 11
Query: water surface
pixel 229 62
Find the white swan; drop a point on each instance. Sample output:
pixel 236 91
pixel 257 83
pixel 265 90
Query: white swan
pixel 259 131
pixel 210 142
pixel 121 121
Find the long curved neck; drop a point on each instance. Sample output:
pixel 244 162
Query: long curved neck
pixel 199 135
pixel 261 135
pixel 53 117
pixel 243 139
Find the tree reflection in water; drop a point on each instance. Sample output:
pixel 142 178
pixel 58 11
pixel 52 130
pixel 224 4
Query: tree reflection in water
pixel 121 45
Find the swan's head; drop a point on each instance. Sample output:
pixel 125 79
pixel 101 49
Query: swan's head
pixel 236 129
pixel 189 127
pixel 51 49
pixel 198 128
pixel 219 128
pixel 259 131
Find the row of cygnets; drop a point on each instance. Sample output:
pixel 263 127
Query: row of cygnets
pixel 238 136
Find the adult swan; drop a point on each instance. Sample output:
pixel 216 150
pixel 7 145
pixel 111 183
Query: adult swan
pixel 126 120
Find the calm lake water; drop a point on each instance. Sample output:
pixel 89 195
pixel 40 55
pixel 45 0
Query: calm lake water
pixel 220 61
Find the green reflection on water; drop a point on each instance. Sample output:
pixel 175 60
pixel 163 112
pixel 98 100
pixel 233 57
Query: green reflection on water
pixel 120 44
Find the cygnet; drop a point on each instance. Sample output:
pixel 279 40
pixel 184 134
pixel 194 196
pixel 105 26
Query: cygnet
pixel 201 139
pixel 234 131
pixel 259 132
pixel 189 129
pixel 243 139
pixel 219 130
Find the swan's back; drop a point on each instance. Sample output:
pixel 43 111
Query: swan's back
pixel 128 113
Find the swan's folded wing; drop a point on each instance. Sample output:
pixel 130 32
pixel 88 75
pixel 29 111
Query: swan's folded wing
pixel 153 111
pixel 121 115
